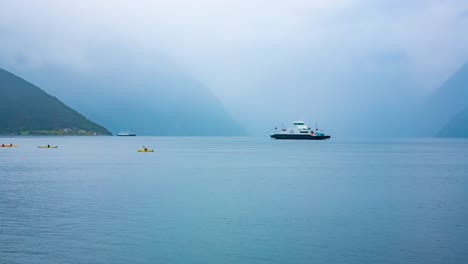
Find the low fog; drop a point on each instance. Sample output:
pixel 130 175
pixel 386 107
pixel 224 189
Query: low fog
pixel 357 68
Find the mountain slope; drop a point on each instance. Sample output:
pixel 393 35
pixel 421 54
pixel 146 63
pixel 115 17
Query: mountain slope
pixel 457 126
pixel 147 100
pixel 445 103
pixel 26 109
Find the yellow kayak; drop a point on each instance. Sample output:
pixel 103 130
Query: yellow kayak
pixel 47 146
pixel 145 150
pixel 8 146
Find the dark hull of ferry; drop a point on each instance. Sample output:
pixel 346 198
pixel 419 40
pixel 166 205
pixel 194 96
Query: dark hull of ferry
pixel 296 136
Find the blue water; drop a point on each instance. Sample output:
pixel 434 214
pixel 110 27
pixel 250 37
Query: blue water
pixel 233 200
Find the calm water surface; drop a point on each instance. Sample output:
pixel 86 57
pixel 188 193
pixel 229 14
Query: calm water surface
pixel 233 200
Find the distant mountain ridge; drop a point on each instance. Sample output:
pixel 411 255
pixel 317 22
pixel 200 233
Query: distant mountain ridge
pixel 457 127
pixel 127 94
pixel 25 109
pixel 446 102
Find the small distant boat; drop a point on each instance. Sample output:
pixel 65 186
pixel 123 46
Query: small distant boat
pixel 8 146
pixel 48 146
pixel 299 131
pixel 145 150
pixel 126 134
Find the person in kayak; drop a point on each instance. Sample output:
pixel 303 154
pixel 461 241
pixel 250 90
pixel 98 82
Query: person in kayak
pixel 146 149
pixel 48 146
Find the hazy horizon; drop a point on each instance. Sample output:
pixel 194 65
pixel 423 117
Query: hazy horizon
pixel 355 67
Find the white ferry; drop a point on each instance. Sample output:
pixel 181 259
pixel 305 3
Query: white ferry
pixel 126 134
pixel 299 130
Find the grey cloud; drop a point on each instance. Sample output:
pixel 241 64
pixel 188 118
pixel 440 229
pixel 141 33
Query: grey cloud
pixel 268 61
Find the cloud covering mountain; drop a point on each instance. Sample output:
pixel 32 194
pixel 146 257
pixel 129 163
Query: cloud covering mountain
pixel 444 104
pixel 356 67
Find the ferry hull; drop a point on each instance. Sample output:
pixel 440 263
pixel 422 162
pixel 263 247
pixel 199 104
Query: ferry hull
pixel 296 136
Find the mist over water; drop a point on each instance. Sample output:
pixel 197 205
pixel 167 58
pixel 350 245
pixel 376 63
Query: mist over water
pixel 359 67
pixel 364 71
pixel 231 200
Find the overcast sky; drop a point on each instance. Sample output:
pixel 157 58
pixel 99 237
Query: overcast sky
pixel 272 61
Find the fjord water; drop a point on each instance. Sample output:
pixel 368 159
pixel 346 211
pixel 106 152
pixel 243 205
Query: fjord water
pixel 233 200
